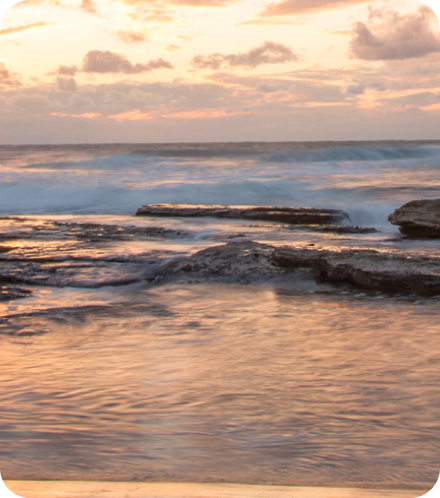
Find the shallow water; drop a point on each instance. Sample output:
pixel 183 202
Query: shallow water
pixel 110 372
pixel 215 382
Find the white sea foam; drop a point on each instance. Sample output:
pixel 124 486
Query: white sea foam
pixel 367 180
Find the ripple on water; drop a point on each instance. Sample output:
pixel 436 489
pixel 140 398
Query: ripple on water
pixel 214 382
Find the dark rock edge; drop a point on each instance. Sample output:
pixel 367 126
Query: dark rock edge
pixel 392 273
pixel 291 215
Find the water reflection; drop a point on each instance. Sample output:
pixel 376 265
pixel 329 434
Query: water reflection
pixel 221 383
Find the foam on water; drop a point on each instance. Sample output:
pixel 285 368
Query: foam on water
pixel 367 180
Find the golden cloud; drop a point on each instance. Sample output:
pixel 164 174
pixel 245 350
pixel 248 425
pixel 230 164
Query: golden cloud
pixel 129 36
pixel 24 27
pixel 297 7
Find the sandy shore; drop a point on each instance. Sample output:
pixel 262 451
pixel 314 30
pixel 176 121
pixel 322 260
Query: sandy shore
pixel 93 489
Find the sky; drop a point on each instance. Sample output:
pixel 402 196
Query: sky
pixel 77 71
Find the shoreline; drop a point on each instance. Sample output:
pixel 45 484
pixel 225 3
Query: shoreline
pixel 109 489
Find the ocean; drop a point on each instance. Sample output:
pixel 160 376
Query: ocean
pixel 114 369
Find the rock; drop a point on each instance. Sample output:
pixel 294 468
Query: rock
pixel 339 229
pixel 293 216
pixel 235 259
pixel 89 232
pixel 418 218
pixel 396 273
pixel 8 293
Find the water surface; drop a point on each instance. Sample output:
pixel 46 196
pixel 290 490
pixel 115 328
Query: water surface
pixel 108 373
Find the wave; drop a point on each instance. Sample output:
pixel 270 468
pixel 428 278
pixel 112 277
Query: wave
pixel 65 156
pixel 355 154
pixel 370 179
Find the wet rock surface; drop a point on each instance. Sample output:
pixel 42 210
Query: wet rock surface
pixel 77 255
pixel 235 260
pixel 9 293
pixel 91 256
pixel 292 215
pixel 23 228
pixel 368 269
pixel 339 229
pixel 419 218
pixel 396 273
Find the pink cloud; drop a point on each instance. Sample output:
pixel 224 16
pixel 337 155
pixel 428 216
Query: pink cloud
pixel 86 115
pixel 301 7
pixel 267 53
pixel 396 37
pixel 129 36
pixel 8 78
pixel 137 115
pixel 98 61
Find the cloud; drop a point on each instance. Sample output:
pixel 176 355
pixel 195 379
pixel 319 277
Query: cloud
pixel 66 70
pixel 162 11
pixel 286 90
pixel 6 77
pixel 24 27
pixel 67 84
pixel 33 101
pixel 171 48
pixel 185 37
pixel 181 3
pixel 420 100
pixel 129 36
pixel 144 10
pixel 88 6
pixel 159 18
pixel 283 101
pixel 267 53
pixel 200 3
pixel 397 37
pixel 300 7
pixel 97 61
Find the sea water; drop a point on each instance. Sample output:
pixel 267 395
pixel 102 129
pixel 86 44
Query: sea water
pixel 108 374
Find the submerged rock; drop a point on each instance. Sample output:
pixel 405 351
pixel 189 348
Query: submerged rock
pixel 291 215
pixel 418 218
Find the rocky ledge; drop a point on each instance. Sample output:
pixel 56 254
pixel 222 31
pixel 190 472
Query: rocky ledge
pixel 395 273
pixel 418 218
pixel 290 215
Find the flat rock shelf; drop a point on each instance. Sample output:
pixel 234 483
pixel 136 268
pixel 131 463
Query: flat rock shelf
pixel 396 273
pixel 291 215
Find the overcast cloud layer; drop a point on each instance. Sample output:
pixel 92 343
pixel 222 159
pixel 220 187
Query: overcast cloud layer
pixel 215 70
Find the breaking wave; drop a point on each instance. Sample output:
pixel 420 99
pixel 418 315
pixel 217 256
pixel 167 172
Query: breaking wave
pixel 368 180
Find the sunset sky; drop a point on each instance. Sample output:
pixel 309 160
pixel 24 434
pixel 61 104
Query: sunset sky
pixel 218 70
